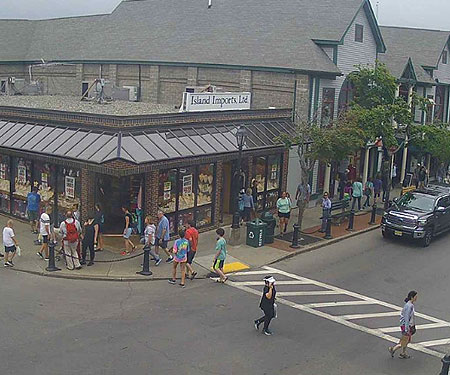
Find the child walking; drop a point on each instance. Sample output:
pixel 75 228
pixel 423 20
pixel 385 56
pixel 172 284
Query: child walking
pixel 221 255
pixel 180 251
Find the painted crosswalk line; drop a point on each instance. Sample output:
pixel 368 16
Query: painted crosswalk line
pixel 353 300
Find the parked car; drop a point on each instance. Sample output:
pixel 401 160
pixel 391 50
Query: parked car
pixel 420 214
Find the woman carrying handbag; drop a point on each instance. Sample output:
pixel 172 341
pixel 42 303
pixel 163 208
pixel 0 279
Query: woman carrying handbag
pixel 267 305
pixel 407 325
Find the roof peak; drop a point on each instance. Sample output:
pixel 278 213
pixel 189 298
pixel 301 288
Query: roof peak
pixel 413 28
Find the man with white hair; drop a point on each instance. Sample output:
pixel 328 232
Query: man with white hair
pixel 70 230
pixel 10 243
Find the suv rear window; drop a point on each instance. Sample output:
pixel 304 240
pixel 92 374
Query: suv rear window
pixel 416 201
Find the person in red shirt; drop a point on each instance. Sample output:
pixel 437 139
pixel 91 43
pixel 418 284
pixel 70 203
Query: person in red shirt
pixel 192 237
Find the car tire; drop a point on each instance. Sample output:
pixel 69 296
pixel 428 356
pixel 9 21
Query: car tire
pixel 426 241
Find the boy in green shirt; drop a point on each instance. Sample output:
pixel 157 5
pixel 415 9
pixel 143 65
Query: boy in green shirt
pixel 221 254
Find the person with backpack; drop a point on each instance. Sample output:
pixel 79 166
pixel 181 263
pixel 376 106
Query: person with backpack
pixel 368 191
pixel 128 231
pixel 70 230
pixel 180 251
pixel 407 325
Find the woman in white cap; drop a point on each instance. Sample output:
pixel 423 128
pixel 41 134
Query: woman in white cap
pixel 267 305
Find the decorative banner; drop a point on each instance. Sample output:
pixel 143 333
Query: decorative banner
pixel 187 184
pixel 70 187
pixel 22 174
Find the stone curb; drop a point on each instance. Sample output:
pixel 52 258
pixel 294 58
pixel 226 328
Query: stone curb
pixel 306 249
pixel 324 243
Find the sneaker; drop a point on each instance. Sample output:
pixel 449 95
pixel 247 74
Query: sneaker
pixel 7 264
pixel 78 268
pixel 90 264
pixel 256 324
pixel 39 254
pixel 158 262
pixel 267 332
pixel 11 263
pixel 82 262
pixel 169 260
pixel 47 259
pixel 182 285
pixel 1 255
pixel 193 275
pixel 172 281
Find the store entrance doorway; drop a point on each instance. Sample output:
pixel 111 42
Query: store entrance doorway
pixel 231 188
pixel 114 192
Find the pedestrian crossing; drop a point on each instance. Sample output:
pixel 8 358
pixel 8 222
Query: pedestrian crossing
pixel 372 316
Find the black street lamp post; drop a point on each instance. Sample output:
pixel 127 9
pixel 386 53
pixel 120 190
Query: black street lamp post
pixel 241 137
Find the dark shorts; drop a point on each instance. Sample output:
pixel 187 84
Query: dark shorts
pixel 190 256
pixel 160 243
pixel 218 264
pixel 10 249
pixel 285 215
pixel 32 215
pixel 45 239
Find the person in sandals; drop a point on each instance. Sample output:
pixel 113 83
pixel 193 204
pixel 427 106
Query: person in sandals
pixel 407 325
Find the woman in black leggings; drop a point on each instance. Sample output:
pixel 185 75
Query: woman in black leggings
pixel 267 305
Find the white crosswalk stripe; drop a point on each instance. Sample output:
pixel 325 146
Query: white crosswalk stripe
pixel 330 292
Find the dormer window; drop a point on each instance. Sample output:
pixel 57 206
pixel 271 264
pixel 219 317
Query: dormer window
pixel 359 33
pixel 444 57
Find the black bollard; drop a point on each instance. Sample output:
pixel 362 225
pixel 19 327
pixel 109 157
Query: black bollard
pixel 351 220
pixel 328 230
pixel 295 238
pixel 445 365
pixel 51 258
pixel 374 214
pixel 146 265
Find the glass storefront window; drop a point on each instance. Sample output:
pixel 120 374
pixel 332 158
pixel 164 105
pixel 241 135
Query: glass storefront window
pixel 5 184
pixel 273 178
pixel 205 184
pixel 186 196
pixel 69 191
pixel 167 190
pixel 260 173
pixel 43 180
pixel 184 217
pixel 204 217
pixel 267 173
pixel 22 186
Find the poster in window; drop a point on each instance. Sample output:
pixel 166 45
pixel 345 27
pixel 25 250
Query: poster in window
pixel 70 187
pixel 22 174
pixel 3 171
pixel 166 196
pixel 273 172
pixel 44 181
pixel 187 184
pixel 167 186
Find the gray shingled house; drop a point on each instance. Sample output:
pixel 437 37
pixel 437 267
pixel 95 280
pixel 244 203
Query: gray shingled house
pixel 288 54
pixel 419 59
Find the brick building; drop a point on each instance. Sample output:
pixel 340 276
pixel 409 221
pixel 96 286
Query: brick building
pixel 184 164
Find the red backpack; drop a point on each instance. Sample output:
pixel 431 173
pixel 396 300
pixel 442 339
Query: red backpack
pixel 72 233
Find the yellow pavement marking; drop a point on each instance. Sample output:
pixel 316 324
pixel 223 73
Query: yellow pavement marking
pixel 234 267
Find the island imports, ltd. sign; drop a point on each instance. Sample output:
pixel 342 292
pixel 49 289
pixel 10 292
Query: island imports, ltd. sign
pixel 223 101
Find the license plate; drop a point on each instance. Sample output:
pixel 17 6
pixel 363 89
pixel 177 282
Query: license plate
pixel 398 233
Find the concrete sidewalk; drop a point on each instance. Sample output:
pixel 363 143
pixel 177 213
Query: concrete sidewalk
pixel 111 265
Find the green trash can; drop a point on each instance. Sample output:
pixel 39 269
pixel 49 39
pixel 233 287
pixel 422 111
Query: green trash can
pixel 256 233
pixel 267 217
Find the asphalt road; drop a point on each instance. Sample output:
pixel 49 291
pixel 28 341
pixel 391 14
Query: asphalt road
pixel 57 326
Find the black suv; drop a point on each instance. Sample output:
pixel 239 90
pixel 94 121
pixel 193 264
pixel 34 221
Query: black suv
pixel 421 214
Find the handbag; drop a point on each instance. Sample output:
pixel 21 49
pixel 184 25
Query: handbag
pixel 413 330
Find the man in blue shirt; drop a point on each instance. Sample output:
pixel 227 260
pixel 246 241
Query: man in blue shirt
pixel 33 201
pixel 162 235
